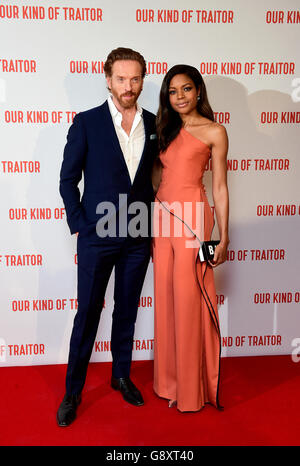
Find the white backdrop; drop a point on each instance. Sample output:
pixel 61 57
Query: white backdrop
pixel 51 66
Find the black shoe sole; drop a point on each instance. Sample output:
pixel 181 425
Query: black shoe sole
pixel 67 425
pixel 128 401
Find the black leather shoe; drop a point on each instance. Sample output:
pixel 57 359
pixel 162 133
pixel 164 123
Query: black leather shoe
pixel 129 391
pixel 66 413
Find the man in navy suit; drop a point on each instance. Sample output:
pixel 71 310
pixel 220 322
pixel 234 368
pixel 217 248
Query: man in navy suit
pixel 113 146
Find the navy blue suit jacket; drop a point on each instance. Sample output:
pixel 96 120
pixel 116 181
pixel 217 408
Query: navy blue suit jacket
pixel 93 150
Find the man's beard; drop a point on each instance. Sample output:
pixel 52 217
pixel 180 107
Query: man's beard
pixel 126 103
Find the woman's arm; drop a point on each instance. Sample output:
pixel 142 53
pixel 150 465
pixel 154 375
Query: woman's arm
pixel 156 174
pixel 220 191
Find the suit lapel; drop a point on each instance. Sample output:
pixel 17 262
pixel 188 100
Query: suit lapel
pixel 147 138
pixel 108 125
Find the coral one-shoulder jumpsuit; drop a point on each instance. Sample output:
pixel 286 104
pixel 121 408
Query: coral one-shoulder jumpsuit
pixel 187 336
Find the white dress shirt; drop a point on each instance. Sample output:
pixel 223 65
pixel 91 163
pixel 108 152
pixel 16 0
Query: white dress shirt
pixel 133 145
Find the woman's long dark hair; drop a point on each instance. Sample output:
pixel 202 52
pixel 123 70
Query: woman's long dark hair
pixel 168 122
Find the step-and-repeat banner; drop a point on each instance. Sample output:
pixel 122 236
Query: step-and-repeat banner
pixel 51 67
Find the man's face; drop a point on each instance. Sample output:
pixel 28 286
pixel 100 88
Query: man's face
pixel 125 82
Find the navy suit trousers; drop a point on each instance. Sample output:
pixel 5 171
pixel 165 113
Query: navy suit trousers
pixel 96 260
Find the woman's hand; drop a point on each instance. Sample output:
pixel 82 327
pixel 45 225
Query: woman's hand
pixel 220 255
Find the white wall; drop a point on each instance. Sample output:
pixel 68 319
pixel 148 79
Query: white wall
pixel 56 50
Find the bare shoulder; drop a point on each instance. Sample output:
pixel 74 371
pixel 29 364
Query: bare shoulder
pixel 218 133
pixel 212 133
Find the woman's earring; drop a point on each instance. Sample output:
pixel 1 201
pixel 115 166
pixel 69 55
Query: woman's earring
pixel 198 97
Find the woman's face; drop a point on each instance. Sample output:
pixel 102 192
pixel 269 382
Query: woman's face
pixel 183 94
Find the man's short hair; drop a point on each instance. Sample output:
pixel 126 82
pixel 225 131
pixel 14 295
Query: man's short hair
pixel 122 53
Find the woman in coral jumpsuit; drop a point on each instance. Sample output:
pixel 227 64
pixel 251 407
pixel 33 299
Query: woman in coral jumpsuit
pixel 187 335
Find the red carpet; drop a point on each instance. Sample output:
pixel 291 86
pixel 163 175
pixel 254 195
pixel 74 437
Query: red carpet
pixel 261 397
